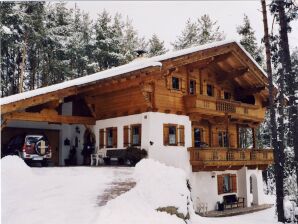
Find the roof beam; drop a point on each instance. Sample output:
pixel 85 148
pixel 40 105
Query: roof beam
pixel 48 117
pixel 232 74
pixel 36 100
pixel 250 91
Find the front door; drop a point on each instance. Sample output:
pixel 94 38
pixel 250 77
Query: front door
pixel 197 137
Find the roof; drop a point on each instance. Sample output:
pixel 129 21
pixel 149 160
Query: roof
pixel 116 71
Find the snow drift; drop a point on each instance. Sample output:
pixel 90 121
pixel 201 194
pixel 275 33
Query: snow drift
pixel 158 186
pixel 14 167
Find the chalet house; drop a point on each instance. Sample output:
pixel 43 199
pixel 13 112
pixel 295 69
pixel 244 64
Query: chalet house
pixel 193 109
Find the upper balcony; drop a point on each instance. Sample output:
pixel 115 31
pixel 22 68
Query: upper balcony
pixel 218 107
pixel 208 159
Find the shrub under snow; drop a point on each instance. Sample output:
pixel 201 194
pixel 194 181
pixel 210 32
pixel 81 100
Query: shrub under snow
pixel 158 187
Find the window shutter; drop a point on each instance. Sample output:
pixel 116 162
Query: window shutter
pixel 166 134
pixel 169 82
pixel 183 84
pixel 220 184
pixel 125 136
pixel 234 183
pixel 181 135
pixel 115 137
pixel 101 138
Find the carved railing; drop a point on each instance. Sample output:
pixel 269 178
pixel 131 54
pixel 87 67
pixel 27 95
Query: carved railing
pixel 226 156
pixel 197 103
pixel 225 106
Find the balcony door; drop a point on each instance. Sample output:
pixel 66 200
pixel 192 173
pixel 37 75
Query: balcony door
pixel 197 132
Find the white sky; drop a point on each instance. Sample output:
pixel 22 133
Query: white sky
pixel 167 18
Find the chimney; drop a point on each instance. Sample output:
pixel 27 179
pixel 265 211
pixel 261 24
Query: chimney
pixel 141 54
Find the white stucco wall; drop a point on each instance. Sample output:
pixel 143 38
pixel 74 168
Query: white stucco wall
pixel 152 130
pixel 204 187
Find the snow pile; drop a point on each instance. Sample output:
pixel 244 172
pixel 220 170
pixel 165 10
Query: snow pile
pixel 158 186
pixel 14 167
pixel 289 209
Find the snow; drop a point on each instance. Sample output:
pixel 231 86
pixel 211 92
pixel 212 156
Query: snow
pixel 53 195
pixel 70 195
pixel 6 30
pixel 157 186
pixel 132 66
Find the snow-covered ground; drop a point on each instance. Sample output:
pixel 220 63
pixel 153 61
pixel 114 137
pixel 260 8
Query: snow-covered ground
pixel 71 195
pixel 54 195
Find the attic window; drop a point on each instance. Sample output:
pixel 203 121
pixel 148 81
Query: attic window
pixel 175 83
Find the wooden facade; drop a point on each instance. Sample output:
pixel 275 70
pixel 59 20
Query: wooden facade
pixel 220 88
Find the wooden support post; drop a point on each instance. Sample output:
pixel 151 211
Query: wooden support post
pixel 254 138
pixel 237 136
pixel 210 134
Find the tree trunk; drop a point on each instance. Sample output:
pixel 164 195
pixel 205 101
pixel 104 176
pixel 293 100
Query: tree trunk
pixel 278 155
pixel 289 78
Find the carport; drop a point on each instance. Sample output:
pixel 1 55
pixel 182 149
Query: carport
pixel 63 130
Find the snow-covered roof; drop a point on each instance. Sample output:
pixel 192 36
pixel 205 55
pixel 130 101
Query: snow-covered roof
pixel 130 67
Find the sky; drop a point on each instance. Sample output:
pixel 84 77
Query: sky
pixel 167 18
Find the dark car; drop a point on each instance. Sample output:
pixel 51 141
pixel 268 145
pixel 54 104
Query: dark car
pixel 30 148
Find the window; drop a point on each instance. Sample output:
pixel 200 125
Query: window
pixel 175 83
pixel 192 87
pixel 109 133
pixel 111 137
pixel 226 183
pixel 136 135
pixel 173 134
pixel 197 137
pixel 223 140
pixel 245 137
pixel 227 95
pixel 210 90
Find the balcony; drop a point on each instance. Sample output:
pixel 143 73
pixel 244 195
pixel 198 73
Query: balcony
pixel 209 159
pixel 218 107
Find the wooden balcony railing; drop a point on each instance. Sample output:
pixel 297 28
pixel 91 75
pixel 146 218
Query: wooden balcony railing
pixel 223 158
pixel 213 106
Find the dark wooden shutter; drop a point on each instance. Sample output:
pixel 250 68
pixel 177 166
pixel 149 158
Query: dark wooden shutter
pixel 166 134
pixel 181 135
pixel 234 182
pixel 183 85
pixel 169 82
pixel 220 184
pixel 101 138
pixel 126 136
pixel 115 137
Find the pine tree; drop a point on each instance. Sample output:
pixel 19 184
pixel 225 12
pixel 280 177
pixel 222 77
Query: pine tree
pixel 188 37
pixel 156 46
pixel 248 40
pixel 208 30
pixel 197 33
pixel 55 50
pixel 130 41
